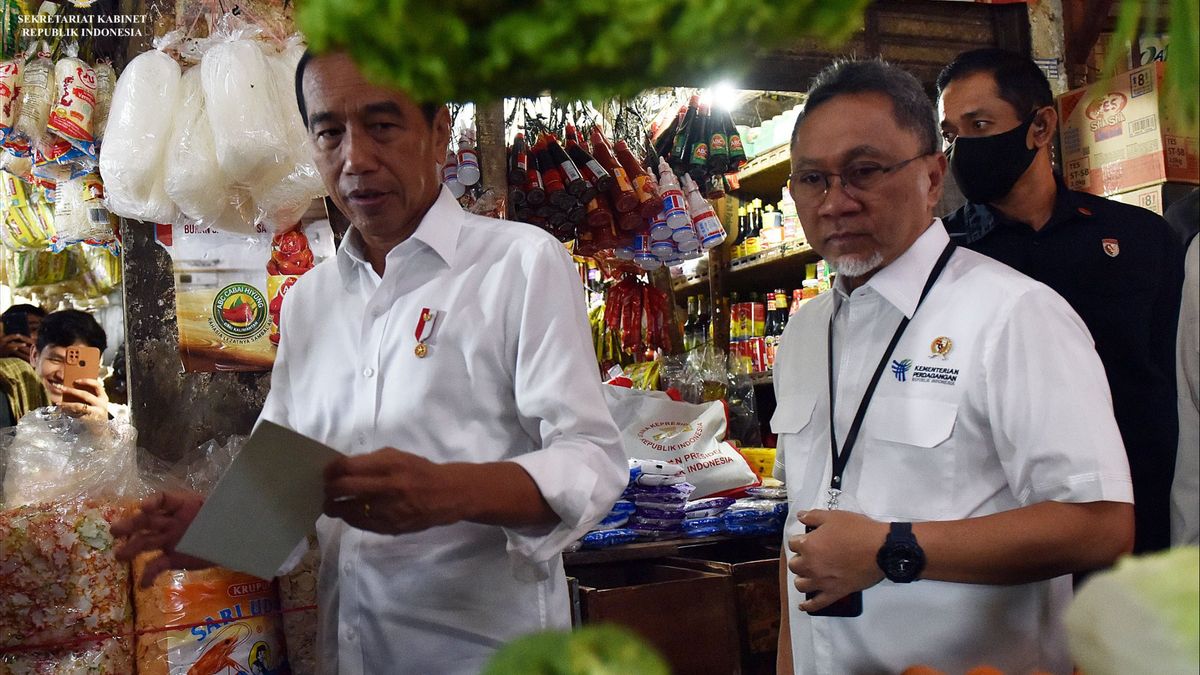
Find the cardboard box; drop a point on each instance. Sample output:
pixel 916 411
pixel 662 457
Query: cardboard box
pixel 1117 136
pixel 688 615
pixel 755 573
pixel 1155 197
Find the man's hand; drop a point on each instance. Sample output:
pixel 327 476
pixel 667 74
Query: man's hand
pixel 837 558
pixel 15 345
pixel 158 525
pixel 94 399
pixel 392 492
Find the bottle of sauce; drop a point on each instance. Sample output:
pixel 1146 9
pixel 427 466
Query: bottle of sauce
pixel 623 195
pixel 644 184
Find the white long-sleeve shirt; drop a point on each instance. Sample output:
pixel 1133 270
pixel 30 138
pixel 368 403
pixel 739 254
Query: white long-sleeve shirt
pixel 509 375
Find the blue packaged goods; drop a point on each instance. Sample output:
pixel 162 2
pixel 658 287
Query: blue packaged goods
pixel 606 538
pixel 655 523
pixel 702 523
pixel 763 492
pixel 674 515
pixel 709 531
pixel 704 508
pixel 611 522
pixel 649 473
pixel 622 506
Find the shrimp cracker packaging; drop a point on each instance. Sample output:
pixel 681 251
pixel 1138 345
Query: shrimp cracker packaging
pixel 211 621
pixel 74 104
pixel 10 89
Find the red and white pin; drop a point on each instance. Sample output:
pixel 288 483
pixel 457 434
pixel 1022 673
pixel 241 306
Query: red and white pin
pixel 1111 246
pixel 424 331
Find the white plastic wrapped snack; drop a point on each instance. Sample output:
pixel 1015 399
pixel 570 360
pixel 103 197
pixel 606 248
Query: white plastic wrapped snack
pixel 106 82
pixel 33 110
pixel 194 181
pixel 249 129
pixel 284 195
pixel 144 106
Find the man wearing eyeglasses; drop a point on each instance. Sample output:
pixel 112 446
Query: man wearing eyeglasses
pixel 942 487
pixel 1119 266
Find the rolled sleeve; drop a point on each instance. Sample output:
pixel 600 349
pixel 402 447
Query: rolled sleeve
pixel 580 466
pixel 1052 412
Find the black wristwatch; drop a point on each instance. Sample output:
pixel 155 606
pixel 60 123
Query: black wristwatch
pixel 901 557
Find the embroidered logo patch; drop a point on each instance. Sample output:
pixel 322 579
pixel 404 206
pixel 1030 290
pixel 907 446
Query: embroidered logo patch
pixel 1111 246
pixel 900 369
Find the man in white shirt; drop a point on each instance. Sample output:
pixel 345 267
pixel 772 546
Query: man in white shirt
pixel 1185 490
pixel 974 450
pixel 448 356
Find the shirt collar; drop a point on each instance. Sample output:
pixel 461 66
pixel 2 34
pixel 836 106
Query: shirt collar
pixel 438 232
pixel 901 282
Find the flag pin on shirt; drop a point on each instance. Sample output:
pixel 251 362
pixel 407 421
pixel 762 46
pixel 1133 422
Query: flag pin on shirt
pixel 1111 246
pixel 424 331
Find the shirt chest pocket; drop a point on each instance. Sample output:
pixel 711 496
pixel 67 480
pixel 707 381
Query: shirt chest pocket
pixel 793 423
pixel 908 467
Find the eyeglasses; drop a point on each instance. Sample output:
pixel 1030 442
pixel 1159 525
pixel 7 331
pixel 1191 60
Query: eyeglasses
pixel 809 187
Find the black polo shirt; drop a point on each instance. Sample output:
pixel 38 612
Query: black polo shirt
pixel 1121 268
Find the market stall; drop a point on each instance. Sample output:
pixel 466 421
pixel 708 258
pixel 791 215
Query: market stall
pixel 175 184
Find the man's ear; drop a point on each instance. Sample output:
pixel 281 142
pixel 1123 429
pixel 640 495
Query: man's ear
pixel 937 179
pixel 33 356
pixel 1045 124
pixel 441 128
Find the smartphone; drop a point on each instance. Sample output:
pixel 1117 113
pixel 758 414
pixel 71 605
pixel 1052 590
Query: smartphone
pixel 849 606
pixel 17 324
pixel 83 363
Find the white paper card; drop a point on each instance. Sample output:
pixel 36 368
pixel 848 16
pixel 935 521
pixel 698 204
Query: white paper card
pixel 264 504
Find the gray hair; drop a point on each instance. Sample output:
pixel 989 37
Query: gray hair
pixel 911 106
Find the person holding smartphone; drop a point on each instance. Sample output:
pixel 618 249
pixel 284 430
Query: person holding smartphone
pixel 61 335
pixel 945 427
pixel 21 325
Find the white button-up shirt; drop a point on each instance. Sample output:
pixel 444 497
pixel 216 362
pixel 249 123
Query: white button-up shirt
pixel 1185 490
pixel 509 375
pixel 1016 411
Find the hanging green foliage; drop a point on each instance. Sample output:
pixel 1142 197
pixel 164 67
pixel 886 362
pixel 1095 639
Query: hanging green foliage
pixel 1182 80
pixel 481 50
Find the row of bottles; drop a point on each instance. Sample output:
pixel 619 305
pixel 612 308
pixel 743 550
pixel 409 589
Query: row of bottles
pixel 703 143
pixel 756 320
pixel 766 227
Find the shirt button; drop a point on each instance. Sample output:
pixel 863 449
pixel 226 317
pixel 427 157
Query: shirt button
pixel 346 568
pixel 351 636
pixel 368 372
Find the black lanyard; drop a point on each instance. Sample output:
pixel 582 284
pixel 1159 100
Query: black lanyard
pixel 841 459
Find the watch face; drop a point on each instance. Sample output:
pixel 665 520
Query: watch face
pixel 904 563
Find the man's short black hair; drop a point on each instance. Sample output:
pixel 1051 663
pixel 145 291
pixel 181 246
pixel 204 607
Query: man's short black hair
pixel 24 309
pixel 911 106
pixel 428 109
pixel 1019 81
pixel 69 326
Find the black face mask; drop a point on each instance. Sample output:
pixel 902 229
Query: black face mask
pixel 986 168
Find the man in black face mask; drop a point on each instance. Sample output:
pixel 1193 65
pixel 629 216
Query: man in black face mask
pixel 1118 266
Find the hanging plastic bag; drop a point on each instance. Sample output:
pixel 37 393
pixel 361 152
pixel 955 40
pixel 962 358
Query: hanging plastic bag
pixel 73 107
pixel 106 83
pixel 144 105
pixel 10 91
pixel 248 125
pixel 33 111
pixel 194 180
pixel 283 196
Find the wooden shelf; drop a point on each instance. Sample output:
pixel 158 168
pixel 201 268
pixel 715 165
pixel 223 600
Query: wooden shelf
pixel 781 265
pixel 766 174
pixel 653 549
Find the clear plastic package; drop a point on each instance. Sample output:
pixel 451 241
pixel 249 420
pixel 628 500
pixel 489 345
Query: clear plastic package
pixel 241 103
pixel 10 89
pixel 74 105
pixel 106 83
pixel 37 80
pixel 284 195
pixel 194 180
pixel 64 597
pixel 144 106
